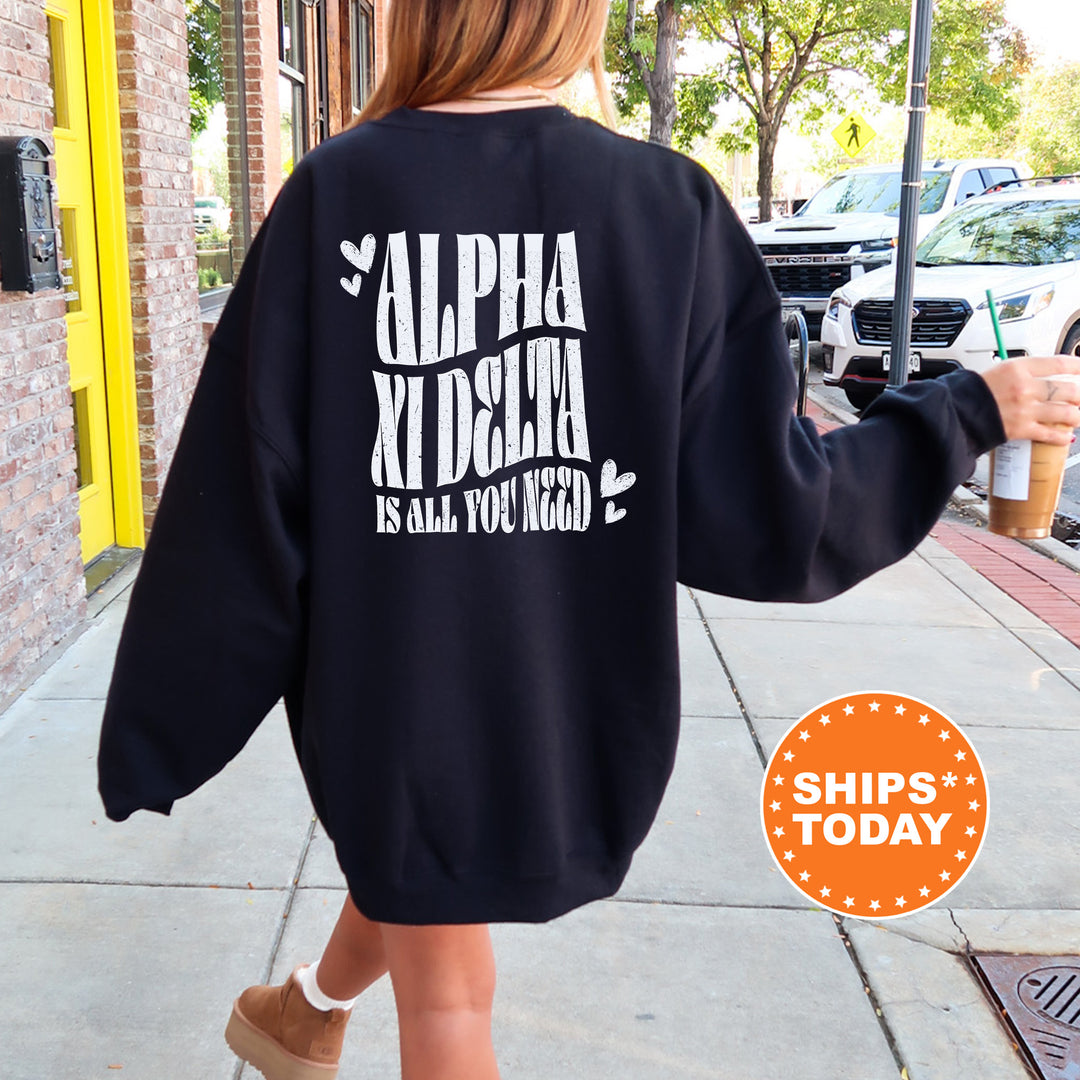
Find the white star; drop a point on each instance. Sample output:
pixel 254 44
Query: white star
pixel 788 856
pixel 944 735
pixel 804 876
pixel 849 901
pixel 924 719
pixel 949 780
pixel 874 905
pixel 823 719
pixel 778 831
pixel 960 755
pixel 899 710
pixel 774 805
pixel 969 780
pixel 849 709
pixel 788 755
pixel 874 706
pixel 973 805
pixel 778 780
pixel 970 830
pixel 825 891
pixel 944 875
pixel 804 735
pixel 960 855
pixel 924 891
pixel 900 901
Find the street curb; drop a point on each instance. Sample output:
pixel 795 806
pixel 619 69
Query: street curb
pixel 975 505
pixel 966 500
pixel 835 411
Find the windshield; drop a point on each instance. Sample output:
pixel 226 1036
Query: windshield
pixel 875 193
pixel 1032 232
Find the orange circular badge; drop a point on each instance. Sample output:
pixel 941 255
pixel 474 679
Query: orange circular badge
pixel 874 805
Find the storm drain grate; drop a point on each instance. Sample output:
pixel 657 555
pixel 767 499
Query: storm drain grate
pixel 1040 998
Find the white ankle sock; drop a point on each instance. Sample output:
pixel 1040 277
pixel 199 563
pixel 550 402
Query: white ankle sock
pixel 306 978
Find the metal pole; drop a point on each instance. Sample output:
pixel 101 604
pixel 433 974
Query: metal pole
pixel 922 15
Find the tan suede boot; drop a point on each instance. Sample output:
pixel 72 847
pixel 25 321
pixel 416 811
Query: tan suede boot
pixel 275 1029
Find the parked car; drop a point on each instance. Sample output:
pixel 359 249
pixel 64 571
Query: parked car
pixel 1022 242
pixel 850 226
pixel 211 213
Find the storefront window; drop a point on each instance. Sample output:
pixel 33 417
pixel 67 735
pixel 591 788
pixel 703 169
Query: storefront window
pixel 361 53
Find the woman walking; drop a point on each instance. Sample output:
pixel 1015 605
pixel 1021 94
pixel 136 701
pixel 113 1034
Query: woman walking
pixel 492 380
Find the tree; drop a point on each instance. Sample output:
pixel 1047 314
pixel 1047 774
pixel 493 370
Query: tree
pixel 204 60
pixel 642 50
pixel 1048 129
pixel 780 52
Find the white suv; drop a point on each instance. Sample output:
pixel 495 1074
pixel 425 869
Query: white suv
pixel 850 226
pixel 1022 242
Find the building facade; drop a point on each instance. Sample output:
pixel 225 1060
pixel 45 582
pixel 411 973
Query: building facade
pixel 96 375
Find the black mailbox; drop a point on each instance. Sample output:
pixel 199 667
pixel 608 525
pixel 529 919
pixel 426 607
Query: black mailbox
pixel 28 255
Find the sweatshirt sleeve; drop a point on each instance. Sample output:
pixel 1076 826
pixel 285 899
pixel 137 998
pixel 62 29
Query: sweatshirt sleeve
pixel 768 508
pixel 213 632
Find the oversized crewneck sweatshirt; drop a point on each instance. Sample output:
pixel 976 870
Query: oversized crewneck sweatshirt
pixel 487 387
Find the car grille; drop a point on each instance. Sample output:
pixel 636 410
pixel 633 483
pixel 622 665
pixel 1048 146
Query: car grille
pixel 937 325
pixel 807 249
pixel 809 278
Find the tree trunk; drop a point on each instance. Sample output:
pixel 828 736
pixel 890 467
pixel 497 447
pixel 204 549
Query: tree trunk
pixel 767 136
pixel 661 86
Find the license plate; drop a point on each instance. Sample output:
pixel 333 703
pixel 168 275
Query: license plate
pixel 913 365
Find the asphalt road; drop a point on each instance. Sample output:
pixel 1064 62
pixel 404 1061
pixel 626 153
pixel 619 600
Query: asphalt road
pixel 1070 492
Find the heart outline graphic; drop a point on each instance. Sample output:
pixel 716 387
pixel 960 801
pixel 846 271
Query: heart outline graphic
pixel 614 483
pixel 361 257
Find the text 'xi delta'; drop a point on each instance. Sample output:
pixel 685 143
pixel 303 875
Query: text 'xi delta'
pixel 525 401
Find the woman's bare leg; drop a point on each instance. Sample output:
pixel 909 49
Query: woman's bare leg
pixel 354 957
pixel 444 985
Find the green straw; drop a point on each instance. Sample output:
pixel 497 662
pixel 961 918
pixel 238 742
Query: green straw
pixel 1002 351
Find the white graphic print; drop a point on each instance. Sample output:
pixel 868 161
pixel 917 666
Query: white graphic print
pixel 613 483
pixel 524 404
pixel 361 257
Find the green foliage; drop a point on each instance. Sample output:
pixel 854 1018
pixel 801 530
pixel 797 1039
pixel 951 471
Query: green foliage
pixel 1048 128
pixel 695 96
pixel 627 89
pixel 205 77
pixel 976 61
pixel 209 278
pixel 212 239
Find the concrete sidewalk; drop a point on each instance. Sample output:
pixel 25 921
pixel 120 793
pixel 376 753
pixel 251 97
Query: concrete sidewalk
pixel 125 944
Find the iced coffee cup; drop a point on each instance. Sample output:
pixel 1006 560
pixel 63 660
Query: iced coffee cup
pixel 1025 485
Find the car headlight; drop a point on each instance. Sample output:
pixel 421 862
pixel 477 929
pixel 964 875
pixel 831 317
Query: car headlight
pixel 872 252
pixel 835 304
pixel 1022 305
pixel 877 245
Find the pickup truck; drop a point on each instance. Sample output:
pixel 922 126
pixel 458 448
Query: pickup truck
pixel 850 226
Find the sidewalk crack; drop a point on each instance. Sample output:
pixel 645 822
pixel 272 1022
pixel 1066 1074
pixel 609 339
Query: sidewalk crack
pixel 283 923
pixel 747 719
pixel 871 997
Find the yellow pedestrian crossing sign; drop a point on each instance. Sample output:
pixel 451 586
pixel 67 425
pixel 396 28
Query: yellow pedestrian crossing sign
pixel 853 133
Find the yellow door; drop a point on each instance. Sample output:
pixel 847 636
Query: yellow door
pixel 86 353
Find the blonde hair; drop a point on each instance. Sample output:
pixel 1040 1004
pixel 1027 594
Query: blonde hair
pixel 442 50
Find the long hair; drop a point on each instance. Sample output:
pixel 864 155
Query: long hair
pixel 441 50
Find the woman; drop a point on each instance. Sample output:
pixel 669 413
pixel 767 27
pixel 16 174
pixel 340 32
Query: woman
pixel 492 380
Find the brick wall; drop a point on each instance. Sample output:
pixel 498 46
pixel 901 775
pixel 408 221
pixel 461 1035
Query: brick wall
pixel 379 11
pixel 41 585
pixel 151 52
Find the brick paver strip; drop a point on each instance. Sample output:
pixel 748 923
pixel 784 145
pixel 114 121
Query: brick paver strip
pixel 1046 588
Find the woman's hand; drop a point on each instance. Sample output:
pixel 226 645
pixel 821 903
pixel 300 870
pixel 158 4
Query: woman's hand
pixel 1032 403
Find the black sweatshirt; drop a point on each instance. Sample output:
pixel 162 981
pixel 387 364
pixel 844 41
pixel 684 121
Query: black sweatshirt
pixel 487 387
